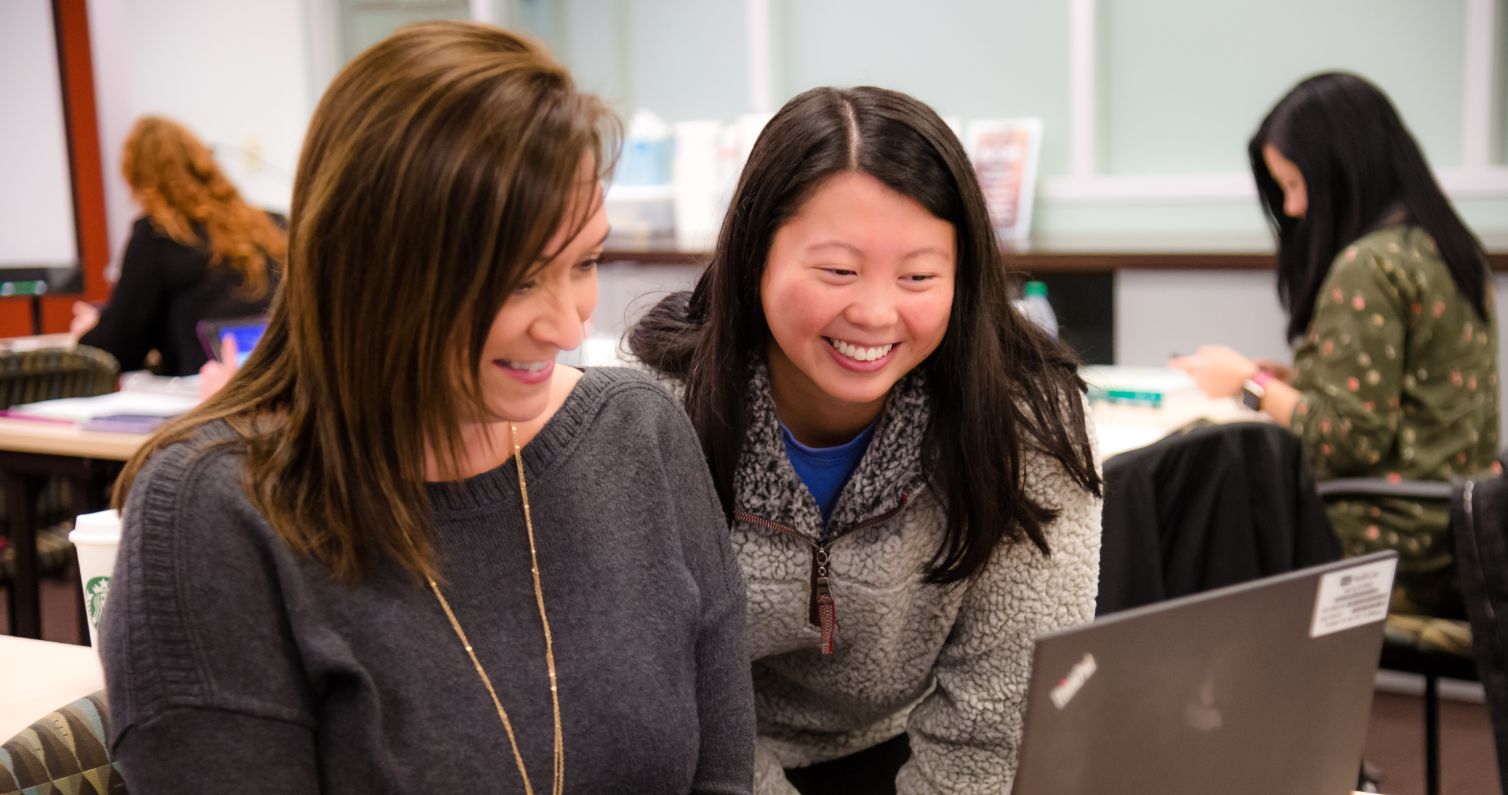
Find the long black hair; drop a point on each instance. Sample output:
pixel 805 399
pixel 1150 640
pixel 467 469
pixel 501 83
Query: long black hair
pixel 1362 171
pixel 999 385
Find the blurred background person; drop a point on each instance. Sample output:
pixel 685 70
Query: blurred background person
pixel 1390 318
pixel 199 252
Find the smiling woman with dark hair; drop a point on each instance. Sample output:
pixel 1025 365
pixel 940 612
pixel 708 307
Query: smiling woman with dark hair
pixel 904 457
pixel 1391 319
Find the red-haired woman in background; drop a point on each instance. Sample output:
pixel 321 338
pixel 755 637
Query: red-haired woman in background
pixel 199 252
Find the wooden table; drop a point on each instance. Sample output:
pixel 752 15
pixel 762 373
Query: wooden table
pixel 31 451
pixel 36 341
pixel 1119 428
pixel 1123 426
pixel 37 677
pixel 66 439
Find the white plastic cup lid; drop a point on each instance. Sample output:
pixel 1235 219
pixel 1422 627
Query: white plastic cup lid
pixel 101 527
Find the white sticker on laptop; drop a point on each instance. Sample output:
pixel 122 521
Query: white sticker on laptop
pixel 1352 597
pixel 1068 687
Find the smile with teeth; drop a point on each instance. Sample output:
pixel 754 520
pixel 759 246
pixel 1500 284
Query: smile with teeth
pixel 860 353
pixel 528 367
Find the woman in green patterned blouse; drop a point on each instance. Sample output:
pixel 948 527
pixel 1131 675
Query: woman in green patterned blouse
pixel 1389 305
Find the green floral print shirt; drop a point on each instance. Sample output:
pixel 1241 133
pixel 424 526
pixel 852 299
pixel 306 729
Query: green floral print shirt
pixel 1399 381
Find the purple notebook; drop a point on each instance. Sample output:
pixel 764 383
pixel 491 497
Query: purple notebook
pixel 124 423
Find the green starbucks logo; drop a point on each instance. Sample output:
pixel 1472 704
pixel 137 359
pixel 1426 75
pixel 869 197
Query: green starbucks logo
pixel 96 590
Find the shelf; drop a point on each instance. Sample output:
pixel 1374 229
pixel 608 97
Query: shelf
pixel 1086 255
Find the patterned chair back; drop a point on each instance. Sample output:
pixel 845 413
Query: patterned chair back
pixel 49 373
pixel 66 751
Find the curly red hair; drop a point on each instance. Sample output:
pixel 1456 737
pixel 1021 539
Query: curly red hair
pixel 174 177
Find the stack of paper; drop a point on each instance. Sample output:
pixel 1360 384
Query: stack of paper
pixel 1142 386
pixel 129 411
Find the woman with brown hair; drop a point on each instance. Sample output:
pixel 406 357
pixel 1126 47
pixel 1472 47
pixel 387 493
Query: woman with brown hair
pixel 199 252
pixel 403 550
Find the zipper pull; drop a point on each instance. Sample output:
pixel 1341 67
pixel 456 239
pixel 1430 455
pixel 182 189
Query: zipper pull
pixel 822 612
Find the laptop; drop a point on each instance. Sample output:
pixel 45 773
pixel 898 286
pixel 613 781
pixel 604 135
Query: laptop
pixel 247 331
pixel 1264 687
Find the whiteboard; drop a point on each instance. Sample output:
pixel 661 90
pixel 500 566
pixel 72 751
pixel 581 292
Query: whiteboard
pixel 37 228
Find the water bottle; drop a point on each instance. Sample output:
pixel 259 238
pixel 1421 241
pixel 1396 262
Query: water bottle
pixel 1033 304
pixel 646 152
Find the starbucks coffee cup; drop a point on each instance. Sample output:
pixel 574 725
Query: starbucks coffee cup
pixel 95 538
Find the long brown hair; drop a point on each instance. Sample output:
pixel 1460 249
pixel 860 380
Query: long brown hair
pixel 437 166
pixel 1000 387
pixel 175 179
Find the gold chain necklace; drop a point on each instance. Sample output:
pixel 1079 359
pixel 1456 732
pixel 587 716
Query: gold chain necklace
pixel 557 777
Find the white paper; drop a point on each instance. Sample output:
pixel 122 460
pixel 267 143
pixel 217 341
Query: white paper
pixel 1353 597
pixel 144 404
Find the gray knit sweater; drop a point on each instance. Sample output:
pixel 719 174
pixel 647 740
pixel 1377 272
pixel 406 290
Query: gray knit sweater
pixel 947 666
pixel 235 665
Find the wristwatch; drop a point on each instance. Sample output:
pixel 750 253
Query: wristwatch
pixel 1254 389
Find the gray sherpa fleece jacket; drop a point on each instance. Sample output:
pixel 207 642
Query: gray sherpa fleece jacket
pixel 851 648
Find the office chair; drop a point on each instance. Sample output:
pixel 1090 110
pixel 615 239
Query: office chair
pixel 1403 651
pixel 46 374
pixel 50 373
pixel 1479 531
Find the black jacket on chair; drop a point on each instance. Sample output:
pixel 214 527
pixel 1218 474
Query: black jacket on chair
pixel 1213 506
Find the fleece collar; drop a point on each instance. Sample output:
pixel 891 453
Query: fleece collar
pixel 767 486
